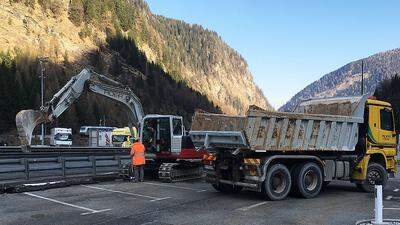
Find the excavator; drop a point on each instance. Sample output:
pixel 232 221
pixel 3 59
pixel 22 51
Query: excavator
pixel 164 136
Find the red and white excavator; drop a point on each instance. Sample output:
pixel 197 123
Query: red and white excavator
pixel 163 135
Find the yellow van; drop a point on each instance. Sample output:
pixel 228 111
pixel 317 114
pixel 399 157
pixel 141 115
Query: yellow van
pixel 121 137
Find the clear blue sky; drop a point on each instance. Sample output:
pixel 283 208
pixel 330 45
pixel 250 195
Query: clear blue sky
pixel 289 44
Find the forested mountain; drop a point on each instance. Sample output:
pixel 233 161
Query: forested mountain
pixel 184 66
pixel 346 81
pixel 389 91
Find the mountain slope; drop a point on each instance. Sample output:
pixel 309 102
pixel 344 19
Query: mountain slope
pixel 187 52
pixel 201 58
pixel 184 66
pixel 346 81
pixel 31 31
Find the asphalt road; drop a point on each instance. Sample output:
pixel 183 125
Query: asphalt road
pixel 152 202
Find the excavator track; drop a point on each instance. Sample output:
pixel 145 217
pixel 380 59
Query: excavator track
pixel 175 172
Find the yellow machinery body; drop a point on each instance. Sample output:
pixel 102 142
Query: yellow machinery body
pixel 121 137
pixel 380 142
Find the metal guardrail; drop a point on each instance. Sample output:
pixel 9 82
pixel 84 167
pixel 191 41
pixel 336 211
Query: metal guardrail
pixel 19 165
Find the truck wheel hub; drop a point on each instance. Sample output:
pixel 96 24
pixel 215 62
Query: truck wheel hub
pixel 373 175
pixel 278 183
pixel 310 180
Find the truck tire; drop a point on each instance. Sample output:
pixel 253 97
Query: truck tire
pixel 374 171
pixel 307 180
pixel 277 183
pixel 226 188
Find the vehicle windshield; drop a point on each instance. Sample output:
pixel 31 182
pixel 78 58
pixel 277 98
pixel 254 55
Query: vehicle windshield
pixel 63 137
pixel 157 134
pixel 119 138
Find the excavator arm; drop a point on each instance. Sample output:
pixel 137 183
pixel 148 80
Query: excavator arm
pixel 27 120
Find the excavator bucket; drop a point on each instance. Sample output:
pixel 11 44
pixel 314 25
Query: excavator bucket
pixel 26 121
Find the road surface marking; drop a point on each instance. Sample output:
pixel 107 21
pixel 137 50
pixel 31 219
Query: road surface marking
pixel 90 211
pixel 97 211
pixel 392 208
pixel 153 199
pixel 159 199
pixel 246 208
pixel 391 197
pixel 150 222
pixel 178 187
pixel 396 190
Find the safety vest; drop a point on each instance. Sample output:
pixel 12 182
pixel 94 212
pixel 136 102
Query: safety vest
pixel 137 154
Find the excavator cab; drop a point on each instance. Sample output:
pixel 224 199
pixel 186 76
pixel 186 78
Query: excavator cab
pixel 162 133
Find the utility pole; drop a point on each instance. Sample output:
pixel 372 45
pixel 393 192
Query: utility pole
pixel 362 77
pixel 41 61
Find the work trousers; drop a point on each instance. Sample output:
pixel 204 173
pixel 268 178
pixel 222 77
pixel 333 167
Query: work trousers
pixel 139 172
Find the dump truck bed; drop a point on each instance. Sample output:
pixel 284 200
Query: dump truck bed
pixel 262 130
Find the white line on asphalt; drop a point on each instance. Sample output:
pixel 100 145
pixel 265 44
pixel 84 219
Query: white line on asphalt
pixel 159 199
pixel 396 190
pixel 392 208
pixel 178 187
pixel 153 199
pixel 97 211
pixel 150 222
pixel 90 211
pixel 391 197
pixel 251 206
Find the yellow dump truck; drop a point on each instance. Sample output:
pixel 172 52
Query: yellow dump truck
pixel 348 138
pixel 121 137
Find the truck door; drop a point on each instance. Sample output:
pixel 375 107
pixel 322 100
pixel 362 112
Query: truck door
pixel 387 134
pixel 373 124
pixel 177 133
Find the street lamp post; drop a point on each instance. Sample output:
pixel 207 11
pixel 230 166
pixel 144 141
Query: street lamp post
pixel 41 60
pixel 362 77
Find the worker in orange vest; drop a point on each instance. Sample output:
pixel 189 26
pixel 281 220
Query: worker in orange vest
pixel 138 160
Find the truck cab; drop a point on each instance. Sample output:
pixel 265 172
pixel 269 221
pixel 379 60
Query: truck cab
pixel 379 144
pixel 121 137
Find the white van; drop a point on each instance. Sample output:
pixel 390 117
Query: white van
pixel 61 136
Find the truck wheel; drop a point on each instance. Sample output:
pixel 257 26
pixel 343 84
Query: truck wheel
pixel 374 171
pixel 277 183
pixel 307 180
pixel 226 188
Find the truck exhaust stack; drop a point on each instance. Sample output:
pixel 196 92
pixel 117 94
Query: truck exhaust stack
pixel 26 121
